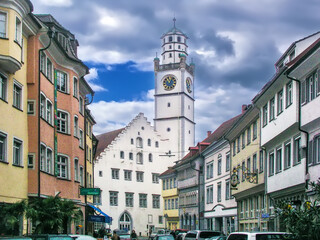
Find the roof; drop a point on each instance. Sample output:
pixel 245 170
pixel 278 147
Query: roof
pixel 167 172
pixel 105 139
pixel 49 19
pixel 174 30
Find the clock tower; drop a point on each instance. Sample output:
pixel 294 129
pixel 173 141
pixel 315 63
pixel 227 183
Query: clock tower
pixel 174 93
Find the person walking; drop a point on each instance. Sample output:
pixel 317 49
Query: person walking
pixel 133 235
pixel 115 236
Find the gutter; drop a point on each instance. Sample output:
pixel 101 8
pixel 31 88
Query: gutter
pixel 300 129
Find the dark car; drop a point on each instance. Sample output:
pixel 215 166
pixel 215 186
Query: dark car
pixel 163 237
pixel 176 232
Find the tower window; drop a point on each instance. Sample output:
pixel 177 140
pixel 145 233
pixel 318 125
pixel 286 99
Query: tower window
pixel 189 107
pixel 170 55
pixel 189 131
pixel 179 39
pixel 170 46
pixel 142 128
pixel 179 46
pixel 164 57
pixel 168 129
pixel 169 104
pixel 170 39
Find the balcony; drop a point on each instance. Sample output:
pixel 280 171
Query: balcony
pixel 170 66
pixel 9 64
pixel 189 182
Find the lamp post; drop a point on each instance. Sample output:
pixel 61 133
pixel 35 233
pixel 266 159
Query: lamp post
pixel 165 221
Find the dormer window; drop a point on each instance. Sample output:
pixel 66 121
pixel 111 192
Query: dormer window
pixel 62 40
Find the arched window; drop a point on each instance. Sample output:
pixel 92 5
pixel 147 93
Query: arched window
pixel 139 142
pixel 139 158
pixel 150 157
pixel 131 156
pixel 149 142
pixel 122 154
pixel 131 140
pixel 125 222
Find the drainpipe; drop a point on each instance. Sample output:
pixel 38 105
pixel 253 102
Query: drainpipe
pixel 300 129
pixel 50 33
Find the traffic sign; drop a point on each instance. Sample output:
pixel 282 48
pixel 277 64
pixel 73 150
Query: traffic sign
pixel 89 191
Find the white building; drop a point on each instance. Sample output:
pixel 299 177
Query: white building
pixel 306 69
pixel 127 169
pixel 129 160
pixel 220 208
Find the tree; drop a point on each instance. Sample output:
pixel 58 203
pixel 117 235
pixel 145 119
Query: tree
pixel 11 216
pixel 304 221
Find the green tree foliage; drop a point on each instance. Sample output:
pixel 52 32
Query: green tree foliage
pixel 48 215
pixel 304 221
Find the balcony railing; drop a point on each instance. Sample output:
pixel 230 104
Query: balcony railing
pixel 189 182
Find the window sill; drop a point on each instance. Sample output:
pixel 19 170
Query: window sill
pixel 47 122
pixel 279 113
pixel 50 174
pixel 286 168
pixel 63 179
pixel 17 108
pixel 16 165
pixel 3 100
pixel 288 105
pixel 68 134
pixel 63 92
pixel 4 162
pixel 295 164
pixel 4 38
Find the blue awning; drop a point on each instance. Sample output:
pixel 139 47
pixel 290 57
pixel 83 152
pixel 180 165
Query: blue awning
pixel 108 219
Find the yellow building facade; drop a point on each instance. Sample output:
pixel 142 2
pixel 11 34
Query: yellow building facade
pixel 16 26
pixel 170 199
pixel 247 172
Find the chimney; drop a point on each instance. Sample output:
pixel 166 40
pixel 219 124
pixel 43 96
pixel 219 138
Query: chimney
pixel 208 133
pixel 244 108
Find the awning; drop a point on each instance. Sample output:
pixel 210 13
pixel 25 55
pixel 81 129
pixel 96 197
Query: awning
pixel 108 219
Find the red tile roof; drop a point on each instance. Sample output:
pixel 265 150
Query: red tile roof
pixel 105 139
pixel 167 172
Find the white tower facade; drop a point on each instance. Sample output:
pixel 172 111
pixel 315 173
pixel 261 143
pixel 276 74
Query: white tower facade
pixel 174 93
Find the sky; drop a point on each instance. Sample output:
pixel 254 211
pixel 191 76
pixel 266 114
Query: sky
pixel 233 43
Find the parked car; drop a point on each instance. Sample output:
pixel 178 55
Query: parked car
pixel 181 236
pixel 51 237
pixel 164 237
pixel 82 237
pixel 123 235
pixel 222 237
pixel 157 232
pixel 258 236
pixel 201 234
pixel 176 232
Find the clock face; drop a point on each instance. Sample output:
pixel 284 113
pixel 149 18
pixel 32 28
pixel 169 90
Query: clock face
pixel 169 82
pixel 188 84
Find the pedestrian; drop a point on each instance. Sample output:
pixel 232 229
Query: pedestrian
pixel 133 235
pixel 115 236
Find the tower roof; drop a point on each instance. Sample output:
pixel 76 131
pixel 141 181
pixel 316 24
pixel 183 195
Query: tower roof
pixel 174 30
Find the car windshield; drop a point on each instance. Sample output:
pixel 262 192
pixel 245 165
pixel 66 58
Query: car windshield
pixel 167 237
pixel 209 234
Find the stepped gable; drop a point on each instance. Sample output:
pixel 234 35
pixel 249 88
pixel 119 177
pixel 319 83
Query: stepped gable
pixel 105 140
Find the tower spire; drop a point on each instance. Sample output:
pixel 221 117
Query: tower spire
pixel 174 22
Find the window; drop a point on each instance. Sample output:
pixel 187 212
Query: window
pixel 75 87
pixel 271 109
pixel 150 157
pixel 228 162
pixel 243 140
pixel 122 154
pixel 100 173
pixel 316 149
pixel 254 163
pixel 131 156
pixel 49 112
pixel 265 115
pixel 210 170
pixel 210 194
pixel 228 189
pixel 157 144
pixel 17 95
pixel 238 144
pixel 62 118
pixel 219 192
pixel 255 130
pixel 81 105
pixel 279 160
pixel 81 142
pixel 30 107
pixel 139 176
pixel 17 152
pixel 251 208
pixel 3 25
pixel 62 40
pixel 234 148
pixel 176 203
pixel 249 135
pixel 18 34
pixel 271 163
pixel 139 142
pixel 81 176
pixel 170 39
pixel 280 102
pixel 76 169
pixel 142 200
pixel 43 62
pixel 249 165
pixel 179 39
pixel 155 178
pixel 171 183
pixel 3 147
pixel 115 173
pixel 219 164
pixel 62 82
pixel 3 85
pixel 49 161
pixel 113 198
pixel 243 167
pixel 62 165
pixel 174 182
pixel 49 69
pixel 76 126
pixel 131 140
pixel 156 201
pixel 288 94
pixel 129 199
pixel 139 158
pixel 42 157
pixel 31 158
pixel 127 175
pixel 287 155
pixel 261 161
pixel 165 204
pixel 296 150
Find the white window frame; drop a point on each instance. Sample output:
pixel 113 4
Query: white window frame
pixel 272 110
pixel 5 147
pixel 43 154
pixel 155 178
pixel 113 198
pixel 115 173
pixel 49 112
pixel 76 169
pixel 59 81
pixel 75 87
pixel 20 160
pixel 140 176
pixel 127 175
pixel 18 30
pixel 20 102
pixel 81 103
pixel 280 102
pixel 31 165
pixel 76 126
pixel 5 24
pixel 3 87
pixel 67 166
pixel 81 172
pixel 287 155
pixel 32 103
pixel 49 164
pixel 67 121
pixel 81 138
pixel 49 73
pixel 289 94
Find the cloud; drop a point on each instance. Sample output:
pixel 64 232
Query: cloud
pixel 57 3
pixel 93 76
